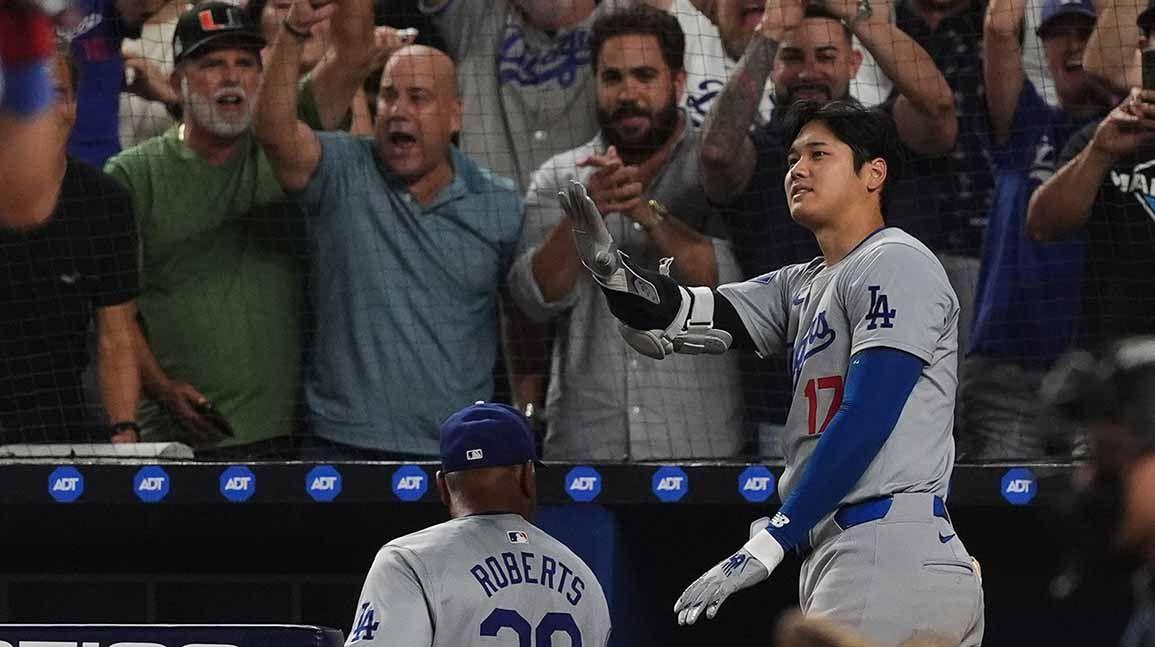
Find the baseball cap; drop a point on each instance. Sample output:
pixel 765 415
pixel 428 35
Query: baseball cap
pixel 214 25
pixel 485 435
pixel 1053 9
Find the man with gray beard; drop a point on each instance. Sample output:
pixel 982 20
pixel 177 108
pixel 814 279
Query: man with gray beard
pixel 221 300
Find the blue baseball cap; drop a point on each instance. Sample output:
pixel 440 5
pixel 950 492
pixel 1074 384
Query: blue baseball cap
pixel 1053 9
pixel 485 435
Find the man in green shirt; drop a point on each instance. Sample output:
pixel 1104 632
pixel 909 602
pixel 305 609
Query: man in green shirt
pixel 221 301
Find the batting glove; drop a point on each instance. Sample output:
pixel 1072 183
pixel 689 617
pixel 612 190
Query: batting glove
pixel 660 316
pixel 750 565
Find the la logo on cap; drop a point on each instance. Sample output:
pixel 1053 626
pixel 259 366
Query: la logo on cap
pixel 208 23
pixel 474 455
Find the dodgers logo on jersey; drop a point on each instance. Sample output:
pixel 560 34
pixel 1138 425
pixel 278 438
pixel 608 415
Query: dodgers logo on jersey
pixel 65 484
pixel 366 626
pixel 756 484
pixel 1140 183
pixel 151 484
pixel 819 336
pixel 583 484
pixel 879 309
pixel 520 65
pixel 323 483
pixel 1019 486
pixel 238 483
pixel 699 100
pixel 410 483
pixel 670 483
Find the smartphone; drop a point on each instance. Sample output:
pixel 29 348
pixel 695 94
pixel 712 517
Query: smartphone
pixel 1149 69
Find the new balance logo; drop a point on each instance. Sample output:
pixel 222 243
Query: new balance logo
pixel 779 520
pixel 879 309
pixel 734 564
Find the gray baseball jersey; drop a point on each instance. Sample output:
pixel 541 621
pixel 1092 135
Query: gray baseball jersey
pixel 485 580
pixel 890 291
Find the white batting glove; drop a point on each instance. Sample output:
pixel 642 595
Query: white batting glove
pixel 750 565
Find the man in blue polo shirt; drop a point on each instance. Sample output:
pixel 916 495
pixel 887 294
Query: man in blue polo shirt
pixel 1028 299
pixel 410 241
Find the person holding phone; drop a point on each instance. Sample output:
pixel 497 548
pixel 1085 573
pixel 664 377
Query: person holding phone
pixel 1105 191
pixel 1027 297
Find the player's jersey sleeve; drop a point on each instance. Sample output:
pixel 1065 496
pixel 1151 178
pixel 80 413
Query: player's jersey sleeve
pixel 392 611
pixel 898 297
pixel 763 305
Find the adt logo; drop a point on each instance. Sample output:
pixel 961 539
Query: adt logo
pixel 65 484
pixel 670 484
pixel 323 483
pixel 756 484
pixel 151 484
pixel 410 483
pixel 238 484
pixel 1019 486
pixel 583 484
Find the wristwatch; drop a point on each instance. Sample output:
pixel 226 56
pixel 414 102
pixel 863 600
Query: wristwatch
pixel 865 11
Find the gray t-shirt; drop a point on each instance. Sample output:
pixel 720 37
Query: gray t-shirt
pixel 528 95
pixel 606 401
pixel 890 291
pixel 484 580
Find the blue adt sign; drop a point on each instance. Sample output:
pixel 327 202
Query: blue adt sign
pixel 323 483
pixel 238 483
pixel 583 484
pixel 151 484
pixel 1019 486
pixel 670 483
pixel 410 483
pixel 756 484
pixel 65 484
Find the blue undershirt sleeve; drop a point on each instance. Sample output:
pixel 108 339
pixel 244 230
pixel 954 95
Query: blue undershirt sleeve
pixel 878 384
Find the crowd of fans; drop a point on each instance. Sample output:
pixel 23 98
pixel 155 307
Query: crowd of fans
pixel 332 225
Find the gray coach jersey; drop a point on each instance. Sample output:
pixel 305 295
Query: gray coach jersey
pixel 485 581
pixel 890 291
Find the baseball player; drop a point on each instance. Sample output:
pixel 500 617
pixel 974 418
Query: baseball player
pixel 870 330
pixel 488 572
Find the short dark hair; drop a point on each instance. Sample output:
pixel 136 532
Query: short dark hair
pixel 641 19
pixel 816 10
pixel 870 133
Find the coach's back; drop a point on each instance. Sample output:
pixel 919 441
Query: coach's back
pixel 492 580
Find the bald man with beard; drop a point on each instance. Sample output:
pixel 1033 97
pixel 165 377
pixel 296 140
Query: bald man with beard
pixel 410 241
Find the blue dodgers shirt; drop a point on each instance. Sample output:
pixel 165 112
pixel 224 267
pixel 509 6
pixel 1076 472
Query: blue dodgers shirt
pixel 404 296
pixel 96 42
pixel 1027 302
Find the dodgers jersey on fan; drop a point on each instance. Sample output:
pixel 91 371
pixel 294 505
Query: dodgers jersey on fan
pixel 890 291
pixel 491 580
